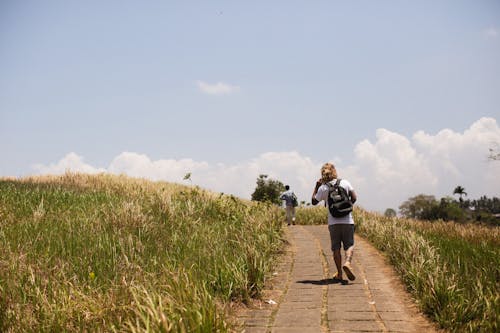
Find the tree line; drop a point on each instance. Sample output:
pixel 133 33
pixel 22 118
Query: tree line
pixel 427 207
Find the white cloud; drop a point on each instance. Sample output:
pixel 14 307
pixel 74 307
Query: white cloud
pixel 384 173
pixel 395 168
pixel 137 165
pixel 390 170
pixel 490 32
pixel 70 162
pixel 218 88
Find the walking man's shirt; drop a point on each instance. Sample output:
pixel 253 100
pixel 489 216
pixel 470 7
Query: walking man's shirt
pixel 287 196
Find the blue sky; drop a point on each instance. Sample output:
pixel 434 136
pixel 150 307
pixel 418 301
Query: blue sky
pixel 159 88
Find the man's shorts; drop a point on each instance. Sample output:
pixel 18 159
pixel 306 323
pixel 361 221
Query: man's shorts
pixel 341 233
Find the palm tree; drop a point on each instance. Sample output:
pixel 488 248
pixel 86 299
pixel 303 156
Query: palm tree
pixel 460 191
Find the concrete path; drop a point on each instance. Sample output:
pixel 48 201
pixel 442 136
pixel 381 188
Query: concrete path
pixel 303 297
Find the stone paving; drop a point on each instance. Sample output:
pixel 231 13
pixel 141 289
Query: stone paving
pixel 303 297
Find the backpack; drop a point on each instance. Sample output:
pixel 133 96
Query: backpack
pixel 339 203
pixel 295 202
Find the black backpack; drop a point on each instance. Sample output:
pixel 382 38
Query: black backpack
pixel 339 203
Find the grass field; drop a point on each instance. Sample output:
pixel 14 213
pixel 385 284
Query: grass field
pixel 110 253
pixel 451 269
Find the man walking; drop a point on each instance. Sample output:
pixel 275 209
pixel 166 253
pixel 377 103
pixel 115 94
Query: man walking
pixel 290 202
pixel 341 228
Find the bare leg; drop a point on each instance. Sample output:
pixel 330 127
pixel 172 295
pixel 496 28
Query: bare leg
pixel 348 254
pixel 347 265
pixel 337 257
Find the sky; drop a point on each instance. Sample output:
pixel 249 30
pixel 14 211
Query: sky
pixel 402 96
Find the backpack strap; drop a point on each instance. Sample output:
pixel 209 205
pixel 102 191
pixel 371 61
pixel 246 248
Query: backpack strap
pixel 330 185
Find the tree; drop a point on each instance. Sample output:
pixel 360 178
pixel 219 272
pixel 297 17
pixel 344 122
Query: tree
pixel 460 191
pixel 389 212
pixel 450 210
pixel 268 190
pixel 419 207
pixel 485 204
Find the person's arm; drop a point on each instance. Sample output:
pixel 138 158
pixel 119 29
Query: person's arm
pixel 314 201
pixel 353 196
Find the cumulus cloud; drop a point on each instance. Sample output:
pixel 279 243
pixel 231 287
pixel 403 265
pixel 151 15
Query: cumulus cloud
pixel 239 179
pixel 70 162
pixel 139 165
pixel 384 172
pixel 390 169
pixel 218 88
pixel 394 167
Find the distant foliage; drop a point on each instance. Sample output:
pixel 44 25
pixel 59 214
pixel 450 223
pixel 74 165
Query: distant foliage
pixel 460 191
pixel 389 212
pixel 268 190
pixel 427 207
pixel 418 207
pixel 489 205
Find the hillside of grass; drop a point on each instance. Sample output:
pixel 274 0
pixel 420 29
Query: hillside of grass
pixel 451 269
pixel 111 253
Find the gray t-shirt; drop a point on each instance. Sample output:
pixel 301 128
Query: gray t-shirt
pixel 288 197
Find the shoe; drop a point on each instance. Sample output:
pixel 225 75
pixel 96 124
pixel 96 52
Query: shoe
pixel 348 271
pixel 336 279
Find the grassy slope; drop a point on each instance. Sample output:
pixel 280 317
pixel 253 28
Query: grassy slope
pixel 113 253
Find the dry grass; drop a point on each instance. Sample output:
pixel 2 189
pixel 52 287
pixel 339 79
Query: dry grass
pixel 111 253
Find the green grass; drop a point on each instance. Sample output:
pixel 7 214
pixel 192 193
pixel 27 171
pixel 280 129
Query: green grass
pixel 451 269
pixel 110 253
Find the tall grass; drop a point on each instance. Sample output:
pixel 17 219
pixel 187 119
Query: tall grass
pixel 452 269
pixel 311 215
pixel 111 253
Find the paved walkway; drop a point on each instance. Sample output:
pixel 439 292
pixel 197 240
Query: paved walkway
pixel 305 299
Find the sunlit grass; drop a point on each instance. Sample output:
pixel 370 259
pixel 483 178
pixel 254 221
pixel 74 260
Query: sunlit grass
pixel 111 253
pixel 311 215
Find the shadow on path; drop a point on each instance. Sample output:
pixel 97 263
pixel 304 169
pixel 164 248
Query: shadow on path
pixel 324 282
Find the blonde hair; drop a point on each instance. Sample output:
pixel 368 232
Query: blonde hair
pixel 328 172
